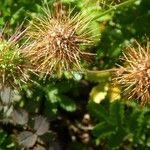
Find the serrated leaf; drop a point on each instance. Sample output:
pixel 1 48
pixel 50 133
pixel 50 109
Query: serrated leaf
pixel 6 94
pixel 116 112
pixel 136 122
pixel 27 139
pixel 41 125
pixel 116 138
pixel 39 147
pixel 99 112
pixel 7 110
pixel 2 22
pixel 148 142
pixel 103 129
pixel 133 122
pixel 20 116
pixel 6 142
pixel 53 95
pixel 63 86
pixel 67 104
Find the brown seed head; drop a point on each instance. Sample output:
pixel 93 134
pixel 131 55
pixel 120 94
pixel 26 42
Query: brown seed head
pixel 134 76
pixel 54 41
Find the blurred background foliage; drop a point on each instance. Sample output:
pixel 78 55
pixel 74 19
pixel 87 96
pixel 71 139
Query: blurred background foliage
pixel 79 111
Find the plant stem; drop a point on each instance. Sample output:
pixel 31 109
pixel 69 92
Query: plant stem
pixel 100 73
pixel 115 7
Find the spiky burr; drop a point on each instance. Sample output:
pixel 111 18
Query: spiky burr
pixel 56 40
pixel 134 75
pixel 12 64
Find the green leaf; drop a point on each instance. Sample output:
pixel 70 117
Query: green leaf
pixel 116 112
pixel 148 142
pixel 67 104
pixel 102 130
pixel 134 121
pixel 64 86
pixel 99 112
pixel 2 21
pixel 51 110
pixel 116 139
pixel 52 95
pixel 6 143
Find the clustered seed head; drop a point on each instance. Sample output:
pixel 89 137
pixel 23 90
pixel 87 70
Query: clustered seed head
pixel 55 41
pixel 134 76
pixel 11 62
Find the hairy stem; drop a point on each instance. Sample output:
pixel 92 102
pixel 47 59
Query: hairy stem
pixel 115 7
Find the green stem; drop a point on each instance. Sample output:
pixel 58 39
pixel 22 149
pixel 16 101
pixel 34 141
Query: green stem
pixel 101 73
pixel 115 7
